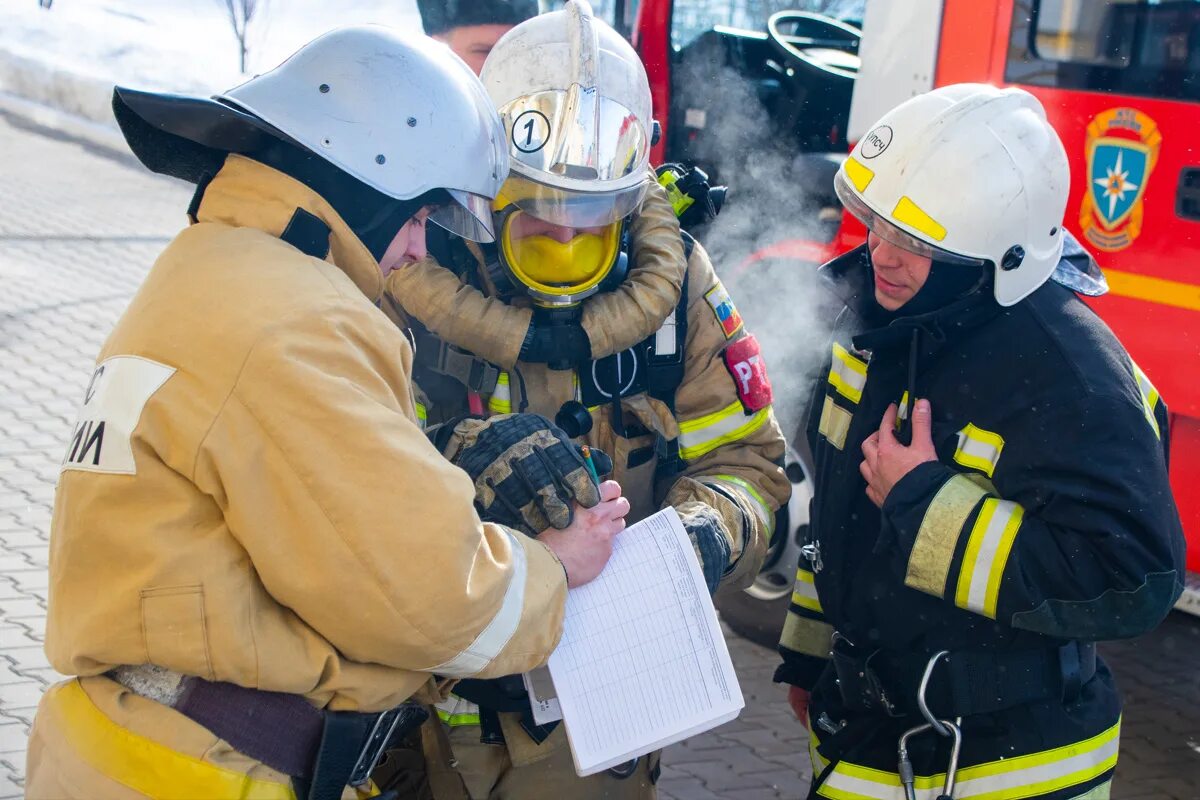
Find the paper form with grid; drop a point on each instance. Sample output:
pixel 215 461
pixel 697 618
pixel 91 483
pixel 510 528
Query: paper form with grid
pixel 642 662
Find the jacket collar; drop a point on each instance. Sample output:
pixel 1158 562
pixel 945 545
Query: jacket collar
pixel 247 194
pixel 849 276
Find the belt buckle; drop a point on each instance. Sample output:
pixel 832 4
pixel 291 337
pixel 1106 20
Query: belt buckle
pixel 375 745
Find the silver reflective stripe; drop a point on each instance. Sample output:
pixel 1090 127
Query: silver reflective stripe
pixel 665 343
pixel 979 449
pixel 1024 776
pixel 698 437
pixel 1149 398
pixel 495 636
pixel 804 593
pixel 987 553
pixel 501 400
pixel 847 374
pixel 455 711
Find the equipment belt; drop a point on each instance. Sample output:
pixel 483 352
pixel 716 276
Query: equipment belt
pixel 438 356
pixel 323 751
pixel 967 683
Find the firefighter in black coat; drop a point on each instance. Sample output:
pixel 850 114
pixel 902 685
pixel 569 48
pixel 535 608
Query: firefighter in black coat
pixel 991 493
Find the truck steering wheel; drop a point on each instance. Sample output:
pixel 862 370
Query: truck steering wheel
pixel 817 43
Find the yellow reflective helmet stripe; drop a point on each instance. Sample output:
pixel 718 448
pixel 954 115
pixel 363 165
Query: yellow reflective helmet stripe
pixel 979 449
pixel 847 373
pixel 501 400
pixel 859 174
pixel 991 541
pixel 805 592
pixel 1031 775
pixel 144 765
pixel 834 424
pixel 1149 395
pixel 700 436
pixel 937 538
pixel 911 214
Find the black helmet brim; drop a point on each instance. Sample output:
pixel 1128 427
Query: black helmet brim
pixel 186 137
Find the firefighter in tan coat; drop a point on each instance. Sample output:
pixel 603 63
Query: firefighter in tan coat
pixel 257 557
pixel 591 309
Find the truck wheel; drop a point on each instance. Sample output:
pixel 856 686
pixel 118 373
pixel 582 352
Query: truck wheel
pixel 758 611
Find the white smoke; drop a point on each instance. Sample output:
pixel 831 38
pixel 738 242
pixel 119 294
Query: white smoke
pixel 773 197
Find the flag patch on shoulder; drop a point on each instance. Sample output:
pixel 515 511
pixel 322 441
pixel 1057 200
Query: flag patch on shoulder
pixel 722 305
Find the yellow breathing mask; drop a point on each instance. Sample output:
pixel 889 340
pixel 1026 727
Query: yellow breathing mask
pixel 552 271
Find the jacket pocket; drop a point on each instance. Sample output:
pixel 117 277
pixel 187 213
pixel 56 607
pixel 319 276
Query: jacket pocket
pixel 174 629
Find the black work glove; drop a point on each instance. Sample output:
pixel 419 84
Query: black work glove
pixel 527 472
pixel 706 529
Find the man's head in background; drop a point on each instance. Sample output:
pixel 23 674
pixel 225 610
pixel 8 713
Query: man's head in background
pixel 471 28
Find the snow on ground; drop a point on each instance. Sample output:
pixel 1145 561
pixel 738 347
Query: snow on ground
pixel 180 45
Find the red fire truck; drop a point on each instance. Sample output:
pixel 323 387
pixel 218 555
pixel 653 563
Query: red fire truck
pixel 791 83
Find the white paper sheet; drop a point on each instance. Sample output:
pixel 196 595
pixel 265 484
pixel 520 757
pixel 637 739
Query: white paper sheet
pixel 642 663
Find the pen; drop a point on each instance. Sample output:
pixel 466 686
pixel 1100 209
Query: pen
pixel 591 465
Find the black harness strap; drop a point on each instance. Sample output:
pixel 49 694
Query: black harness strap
pixel 194 206
pixel 307 233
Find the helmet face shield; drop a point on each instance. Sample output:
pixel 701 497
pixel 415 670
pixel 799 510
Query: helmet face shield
pixel 891 232
pixel 557 263
pixel 572 208
pixel 577 134
pixel 467 215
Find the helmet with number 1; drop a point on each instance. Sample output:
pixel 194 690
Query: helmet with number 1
pixel 575 103
pixel 967 174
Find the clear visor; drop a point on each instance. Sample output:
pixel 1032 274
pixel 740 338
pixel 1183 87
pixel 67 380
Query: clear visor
pixel 468 216
pixel 572 209
pixel 889 231
pixel 578 134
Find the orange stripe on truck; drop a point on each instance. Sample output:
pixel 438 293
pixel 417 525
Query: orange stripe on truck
pixel 1154 290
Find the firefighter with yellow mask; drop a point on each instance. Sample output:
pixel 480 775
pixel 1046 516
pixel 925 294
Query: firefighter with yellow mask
pixel 592 309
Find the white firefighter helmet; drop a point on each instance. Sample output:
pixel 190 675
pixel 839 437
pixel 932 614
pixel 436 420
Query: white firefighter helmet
pixel 967 173
pixel 574 101
pixel 399 112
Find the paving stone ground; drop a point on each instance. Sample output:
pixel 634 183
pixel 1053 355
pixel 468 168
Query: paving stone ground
pixel 79 226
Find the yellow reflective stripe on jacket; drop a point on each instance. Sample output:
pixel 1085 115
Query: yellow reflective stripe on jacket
pixel 979 449
pixel 812 637
pixel 492 639
pixel 987 552
pixel 1149 397
pixel 937 538
pixel 1008 779
pixel 805 592
pixel 145 765
pixel 422 414
pixel 834 424
pixel 456 711
pixel 819 761
pixel 762 509
pixel 847 373
pixel 698 437
pixel 501 400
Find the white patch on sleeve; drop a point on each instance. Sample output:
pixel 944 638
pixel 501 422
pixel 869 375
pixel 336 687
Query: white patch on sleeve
pixel 112 407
